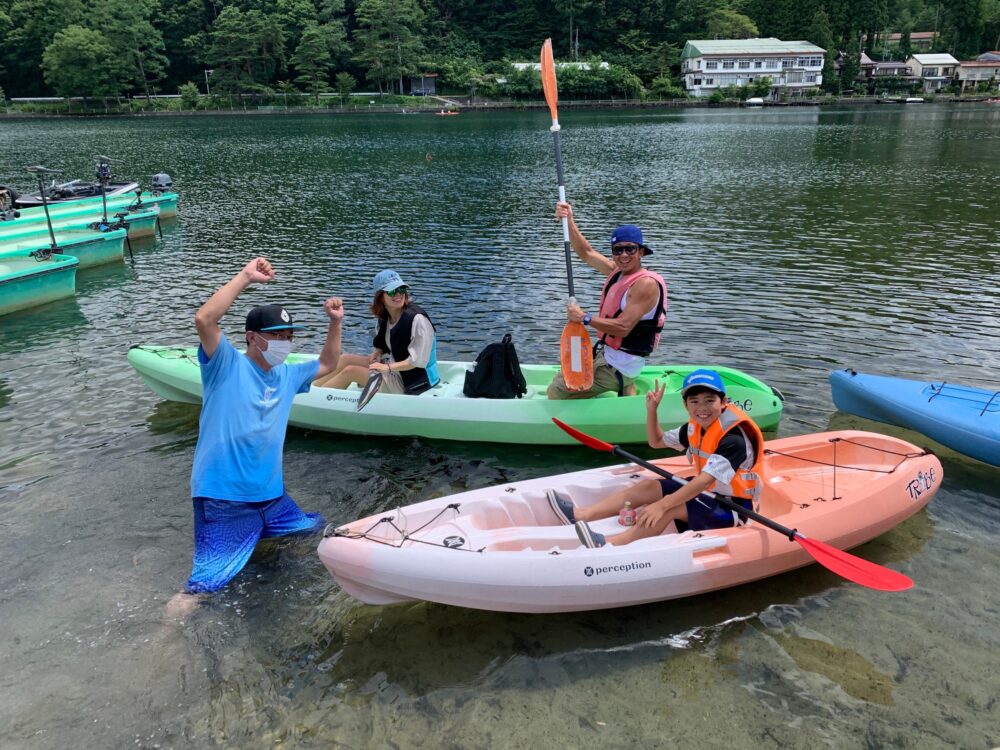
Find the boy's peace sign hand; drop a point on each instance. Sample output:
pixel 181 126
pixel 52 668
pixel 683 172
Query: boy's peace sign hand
pixel 655 395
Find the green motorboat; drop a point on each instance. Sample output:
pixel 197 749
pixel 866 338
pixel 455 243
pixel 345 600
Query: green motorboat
pixel 90 246
pixel 445 413
pixel 28 279
pixel 140 223
pixel 165 201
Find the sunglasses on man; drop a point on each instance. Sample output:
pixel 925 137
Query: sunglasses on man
pixel 627 249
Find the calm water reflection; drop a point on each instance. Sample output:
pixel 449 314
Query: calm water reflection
pixel 793 241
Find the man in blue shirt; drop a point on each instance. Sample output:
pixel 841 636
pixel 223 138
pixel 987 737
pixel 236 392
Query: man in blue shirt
pixel 237 485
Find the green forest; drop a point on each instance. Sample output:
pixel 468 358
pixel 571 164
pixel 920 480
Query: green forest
pixel 110 48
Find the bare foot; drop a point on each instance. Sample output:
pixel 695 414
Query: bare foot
pixel 181 605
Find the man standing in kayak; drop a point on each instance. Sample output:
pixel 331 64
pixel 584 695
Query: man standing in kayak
pixel 237 485
pixel 631 313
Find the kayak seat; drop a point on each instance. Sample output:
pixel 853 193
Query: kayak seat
pixel 501 514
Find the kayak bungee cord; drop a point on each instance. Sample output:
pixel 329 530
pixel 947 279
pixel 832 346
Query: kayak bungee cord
pixel 404 535
pixel 167 352
pixel 835 465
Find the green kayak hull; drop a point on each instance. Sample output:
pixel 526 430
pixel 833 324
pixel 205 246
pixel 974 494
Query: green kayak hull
pixel 444 413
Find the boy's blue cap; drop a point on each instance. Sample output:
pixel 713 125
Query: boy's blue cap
pixel 704 378
pixel 629 233
pixel 386 281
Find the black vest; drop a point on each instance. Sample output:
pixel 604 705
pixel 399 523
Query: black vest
pixel 414 381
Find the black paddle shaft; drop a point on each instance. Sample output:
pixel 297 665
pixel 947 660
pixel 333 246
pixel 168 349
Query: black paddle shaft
pixel 562 197
pixel 723 499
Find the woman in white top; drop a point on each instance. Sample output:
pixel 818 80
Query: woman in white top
pixel 404 348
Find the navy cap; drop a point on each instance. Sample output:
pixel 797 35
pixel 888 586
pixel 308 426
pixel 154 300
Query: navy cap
pixel 270 318
pixel 629 233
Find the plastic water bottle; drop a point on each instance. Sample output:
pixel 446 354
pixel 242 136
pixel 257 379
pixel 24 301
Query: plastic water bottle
pixel 626 517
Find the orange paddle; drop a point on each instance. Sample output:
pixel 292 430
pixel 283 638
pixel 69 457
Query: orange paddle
pixel 575 356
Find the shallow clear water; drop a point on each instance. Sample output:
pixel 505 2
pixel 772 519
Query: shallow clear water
pixel 794 242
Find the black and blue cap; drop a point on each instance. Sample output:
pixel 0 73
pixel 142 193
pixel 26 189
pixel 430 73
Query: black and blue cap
pixel 270 318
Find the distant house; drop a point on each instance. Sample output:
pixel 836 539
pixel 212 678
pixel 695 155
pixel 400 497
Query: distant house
pixel 936 71
pixel 710 64
pixel 971 73
pixel 423 85
pixel 887 68
pixel 994 55
pixel 922 41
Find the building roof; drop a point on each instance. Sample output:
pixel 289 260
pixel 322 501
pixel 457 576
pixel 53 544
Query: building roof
pixel 769 46
pixel 867 62
pixel 980 63
pixel 940 59
pixel 913 35
pixel 993 55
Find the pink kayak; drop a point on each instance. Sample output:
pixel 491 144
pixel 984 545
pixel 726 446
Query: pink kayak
pixel 502 548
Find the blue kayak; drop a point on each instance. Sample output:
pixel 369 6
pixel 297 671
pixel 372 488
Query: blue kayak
pixel 961 417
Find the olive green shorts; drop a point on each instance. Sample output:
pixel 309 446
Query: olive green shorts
pixel 606 378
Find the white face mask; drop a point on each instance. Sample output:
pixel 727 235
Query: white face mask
pixel 277 351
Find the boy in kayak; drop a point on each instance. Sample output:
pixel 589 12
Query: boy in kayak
pixel 237 485
pixel 630 316
pixel 725 447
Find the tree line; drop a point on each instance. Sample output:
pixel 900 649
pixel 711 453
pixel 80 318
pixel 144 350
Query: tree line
pixel 142 47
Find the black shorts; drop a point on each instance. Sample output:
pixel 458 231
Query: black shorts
pixel 705 512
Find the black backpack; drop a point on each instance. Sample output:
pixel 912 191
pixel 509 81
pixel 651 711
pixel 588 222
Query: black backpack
pixel 497 373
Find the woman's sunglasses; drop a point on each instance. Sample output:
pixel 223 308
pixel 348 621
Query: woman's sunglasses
pixel 627 249
pixel 398 290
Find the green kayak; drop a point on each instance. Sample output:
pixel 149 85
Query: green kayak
pixel 445 413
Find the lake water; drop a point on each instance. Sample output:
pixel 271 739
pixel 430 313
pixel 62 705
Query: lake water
pixel 794 241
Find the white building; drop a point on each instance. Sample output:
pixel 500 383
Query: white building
pixel 710 64
pixel 936 71
pixel 971 73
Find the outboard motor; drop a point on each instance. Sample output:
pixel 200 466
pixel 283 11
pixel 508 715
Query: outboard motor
pixel 161 183
pixel 7 197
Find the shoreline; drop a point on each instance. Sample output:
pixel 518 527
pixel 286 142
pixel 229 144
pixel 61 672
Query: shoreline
pixel 277 110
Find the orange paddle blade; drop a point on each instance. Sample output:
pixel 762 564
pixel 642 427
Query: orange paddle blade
pixel 577 358
pixel 549 80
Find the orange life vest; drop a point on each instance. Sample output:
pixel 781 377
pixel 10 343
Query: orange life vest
pixel 748 480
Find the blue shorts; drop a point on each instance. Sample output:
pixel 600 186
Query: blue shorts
pixel 226 532
pixel 704 512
